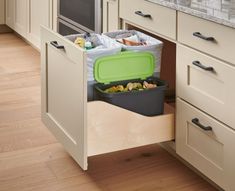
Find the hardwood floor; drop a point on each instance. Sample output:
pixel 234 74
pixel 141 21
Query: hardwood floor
pixel 32 160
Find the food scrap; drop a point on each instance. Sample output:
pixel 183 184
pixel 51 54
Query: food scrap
pixel 136 86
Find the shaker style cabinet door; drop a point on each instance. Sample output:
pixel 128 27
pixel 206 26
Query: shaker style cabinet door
pixel 2 12
pixel 64 93
pixel 10 13
pixel 16 16
pixel 206 143
pixel 40 13
pixel 206 83
pixel 20 17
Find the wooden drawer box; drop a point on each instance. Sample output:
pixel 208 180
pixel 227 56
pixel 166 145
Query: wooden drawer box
pixel 210 151
pixel 151 16
pixel 214 39
pixel 210 90
pixel 89 128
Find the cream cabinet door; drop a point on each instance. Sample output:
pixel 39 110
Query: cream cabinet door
pixel 2 12
pixel 20 17
pixel 16 15
pixel 10 13
pixel 150 16
pixel 206 83
pixel 64 93
pixel 110 15
pixel 40 13
pixel 207 144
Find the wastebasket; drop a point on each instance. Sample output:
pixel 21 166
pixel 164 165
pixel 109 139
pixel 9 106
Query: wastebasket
pixel 129 67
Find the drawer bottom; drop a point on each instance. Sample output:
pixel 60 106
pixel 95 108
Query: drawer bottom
pixel 111 128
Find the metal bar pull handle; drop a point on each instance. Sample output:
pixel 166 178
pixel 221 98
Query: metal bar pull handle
pixel 200 65
pixel 55 44
pixel 199 35
pixel 197 122
pixel 142 14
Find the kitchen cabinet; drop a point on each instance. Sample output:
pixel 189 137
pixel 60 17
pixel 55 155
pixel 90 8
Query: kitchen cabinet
pixel 150 16
pixel 2 12
pixel 89 128
pixel 205 126
pixel 20 17
pixel 26 17
pixel 210 151
pixel 219 40
pixel 110 15
pixel 193 70
pixel 16 16
pixel 205 72
pixel 10 13
pixel 39 13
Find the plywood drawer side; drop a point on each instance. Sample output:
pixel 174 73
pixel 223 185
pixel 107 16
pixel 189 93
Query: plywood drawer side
pixel 157 18
pixel 223 45
pixel 111 128
pixel 211 91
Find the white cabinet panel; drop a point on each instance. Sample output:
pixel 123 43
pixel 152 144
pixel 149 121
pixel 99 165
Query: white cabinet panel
pixel 63 101
pixel 210 151
pixel 153 17
pixel 10 13
pixel 2 12
pixel 205 82
pixel 40 13
pixel 26 17
pixel 110 15
pixel 20 17
pixel 209 37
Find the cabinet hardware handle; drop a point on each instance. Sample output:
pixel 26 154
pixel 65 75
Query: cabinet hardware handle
pixel 142 14
pixel 199 35
pixel 200 65
pixel 197 122
pixel 55 44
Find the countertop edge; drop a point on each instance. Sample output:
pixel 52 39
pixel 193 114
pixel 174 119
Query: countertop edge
pixel 194 12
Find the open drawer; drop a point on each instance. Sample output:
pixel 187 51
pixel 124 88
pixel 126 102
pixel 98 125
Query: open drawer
pixel 89 128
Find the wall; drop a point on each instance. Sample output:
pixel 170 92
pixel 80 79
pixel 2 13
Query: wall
pixel 2 11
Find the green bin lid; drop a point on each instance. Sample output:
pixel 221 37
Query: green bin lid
pixel 124 66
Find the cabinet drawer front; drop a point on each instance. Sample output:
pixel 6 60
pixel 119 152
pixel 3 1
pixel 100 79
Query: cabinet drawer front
pixel 151 16
pixel 208 151
pixel 64 93
pixel 211 91
pixel 221 47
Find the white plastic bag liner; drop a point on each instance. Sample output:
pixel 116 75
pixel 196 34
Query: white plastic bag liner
pixel 152 45
pixel 104 46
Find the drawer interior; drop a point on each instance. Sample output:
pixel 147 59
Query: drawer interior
pixel 111 128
